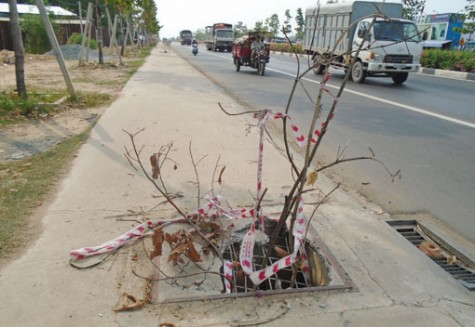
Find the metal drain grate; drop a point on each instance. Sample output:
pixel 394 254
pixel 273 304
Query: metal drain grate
pixel 281 280
pixel 329 273
pixel 187 287
pixel 408 229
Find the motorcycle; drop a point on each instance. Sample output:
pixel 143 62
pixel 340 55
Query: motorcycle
pixel 194 49
pixel 243 57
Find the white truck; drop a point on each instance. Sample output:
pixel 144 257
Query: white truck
pixel 392 47
pixel 219 37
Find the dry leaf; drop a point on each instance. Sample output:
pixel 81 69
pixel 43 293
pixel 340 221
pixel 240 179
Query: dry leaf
pixel 312 178
pixel 154 161
pixel 171 238
pixel 157 240
pixel 167 324
pixel 130 302
pixel 318 269
pixel 280 252
pixel 431 250
pixel 192 253
pixel 451 260
pixel 179 250
pixel 220 180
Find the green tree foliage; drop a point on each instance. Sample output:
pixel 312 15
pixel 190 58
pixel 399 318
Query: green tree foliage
pixel 36 39
pixel 148 15
pixel 259 26
pixel 287 27
pixel 300 22
pixel 199 34
pixel 469 24
pixel 266 27
pixel 413 8
pixel 274 25
pixel 240 29
pixel 76 38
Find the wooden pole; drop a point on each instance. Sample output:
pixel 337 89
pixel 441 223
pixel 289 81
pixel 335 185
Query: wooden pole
pixel 57 50
pixel 80 17
pixel 85 33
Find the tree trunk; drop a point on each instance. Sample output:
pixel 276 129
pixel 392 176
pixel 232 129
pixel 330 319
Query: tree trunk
pixel 99 33
pixel 18 48
pixel 122 36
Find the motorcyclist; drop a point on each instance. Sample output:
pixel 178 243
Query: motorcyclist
pixel 194 47
pixel 256 46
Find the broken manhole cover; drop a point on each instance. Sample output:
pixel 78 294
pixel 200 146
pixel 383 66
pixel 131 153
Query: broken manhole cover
pixel 204 280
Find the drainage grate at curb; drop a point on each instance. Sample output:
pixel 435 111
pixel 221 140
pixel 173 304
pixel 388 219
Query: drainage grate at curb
pixel 417 234
pixel 327 270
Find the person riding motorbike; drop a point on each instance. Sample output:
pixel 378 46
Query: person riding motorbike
pixel 256 46
pixel 194 47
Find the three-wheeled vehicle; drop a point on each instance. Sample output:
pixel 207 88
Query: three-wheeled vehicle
pixel 244 56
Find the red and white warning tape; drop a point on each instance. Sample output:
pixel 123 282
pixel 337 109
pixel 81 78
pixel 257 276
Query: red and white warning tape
pixel 134 234
pixel 247 246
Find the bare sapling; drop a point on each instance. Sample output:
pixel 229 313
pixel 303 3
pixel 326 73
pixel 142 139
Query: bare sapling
pixel 206 225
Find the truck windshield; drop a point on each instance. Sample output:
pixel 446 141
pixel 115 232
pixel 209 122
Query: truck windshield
pixel 228 34
pixel 396 31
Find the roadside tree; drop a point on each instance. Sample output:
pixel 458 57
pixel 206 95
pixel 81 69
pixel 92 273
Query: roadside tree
pixel 240 29
pixel 413 8
pixel 18 48
pixel 287 26
pixel 300 21
pixel 469 24
pixel 274 25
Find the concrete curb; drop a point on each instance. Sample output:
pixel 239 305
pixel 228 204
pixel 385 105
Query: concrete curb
pixel 448 73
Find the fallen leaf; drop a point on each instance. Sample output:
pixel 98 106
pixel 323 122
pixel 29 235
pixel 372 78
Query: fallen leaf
pixel 451 260
pixel 129 302
pixel 431 250
pixel 171 239
pixel 221 175
pixel 155 162
pixel 312 178
pixel 157 240
pixel 167 324
pixel 192 253
pixel 280 252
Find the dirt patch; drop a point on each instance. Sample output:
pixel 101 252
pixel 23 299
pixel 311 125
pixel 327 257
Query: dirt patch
pixel 29 137
pixel 42 72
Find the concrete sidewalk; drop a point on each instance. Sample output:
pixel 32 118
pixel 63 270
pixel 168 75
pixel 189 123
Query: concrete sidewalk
pixel 394 284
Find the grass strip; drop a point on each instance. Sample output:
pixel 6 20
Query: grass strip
pixel 24 186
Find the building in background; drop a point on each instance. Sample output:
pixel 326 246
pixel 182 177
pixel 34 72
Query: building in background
pixel 441 31
pixel 68 22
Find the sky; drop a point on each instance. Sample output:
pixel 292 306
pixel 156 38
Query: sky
pixel 176 15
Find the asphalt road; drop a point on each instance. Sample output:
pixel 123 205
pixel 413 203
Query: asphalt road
pixel 424 128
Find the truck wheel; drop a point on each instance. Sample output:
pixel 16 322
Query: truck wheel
pixel 261 69
pixel 237 62
pixel 358 74
pixel 399 78
pixel 318 66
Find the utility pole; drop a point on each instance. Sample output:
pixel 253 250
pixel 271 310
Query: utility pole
pixel 57 50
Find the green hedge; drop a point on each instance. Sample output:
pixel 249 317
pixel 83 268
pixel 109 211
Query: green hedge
pixel 76 38
pixel 36 39
pixel 285 47
pixel 462 61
